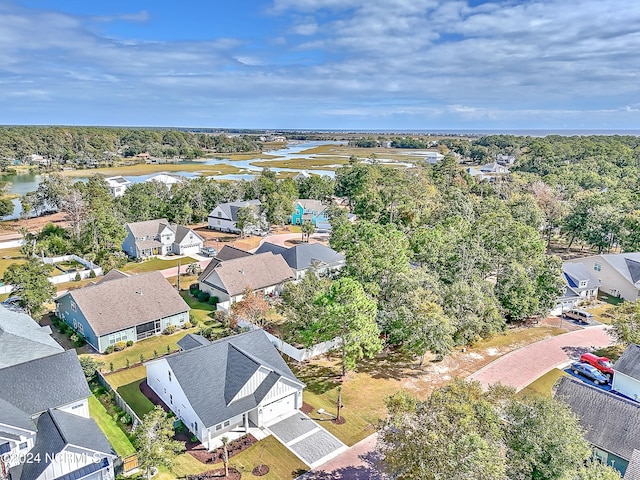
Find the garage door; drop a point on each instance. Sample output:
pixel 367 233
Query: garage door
pixel 277 408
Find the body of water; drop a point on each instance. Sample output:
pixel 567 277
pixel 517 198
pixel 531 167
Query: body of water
pixel 21 184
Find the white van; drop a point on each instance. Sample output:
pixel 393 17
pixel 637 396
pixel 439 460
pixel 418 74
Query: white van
pixel 579 316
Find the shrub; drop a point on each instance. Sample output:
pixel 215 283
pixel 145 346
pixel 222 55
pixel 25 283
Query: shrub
pixel 78 340
pixel 109 349
pixel 78 277
pixel 111 366
pixel 155 354
pixel 187 325
pixel 92 274
pixel 195 293
pixel 193 287
pixel 170 329
pixel 125 419
pixel 129 343
pixel 128 363
pixel 194 439
pixel 203 297
pixel 119 346
pixel 213 300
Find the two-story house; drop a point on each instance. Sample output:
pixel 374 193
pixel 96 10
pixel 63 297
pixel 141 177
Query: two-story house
pixel 618 273
pixel 117 185
pixel 225 216
pixel 159 237
pixel 580 285
pixel 45 429
pixel 313 211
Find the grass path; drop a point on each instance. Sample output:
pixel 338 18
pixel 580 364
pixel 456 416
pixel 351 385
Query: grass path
pixel 107 424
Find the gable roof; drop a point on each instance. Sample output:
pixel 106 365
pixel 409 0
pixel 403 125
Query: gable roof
pixel 182 232
pixel 633 469
pixel 192 340
pixel 611 422
pixel 44 383
pixel 627 264
pixel 304 256
pixel 166 178
pixel 224 367
pixel 22 339
pixel 230 209
pixel 311 205
pixel 147 228
pixel 56 431
pixel 629 362
pixel 113 274
pixel 125 302
pixel 11 415
pixel 229 252
pixel 255 271
pixel 576 272
pixel 117 181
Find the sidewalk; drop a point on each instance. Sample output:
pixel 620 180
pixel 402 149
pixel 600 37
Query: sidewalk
pixel 521 367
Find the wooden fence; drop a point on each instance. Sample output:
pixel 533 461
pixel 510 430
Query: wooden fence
pixel 119 400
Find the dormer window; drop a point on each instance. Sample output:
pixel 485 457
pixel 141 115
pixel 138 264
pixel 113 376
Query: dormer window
pixel 583 283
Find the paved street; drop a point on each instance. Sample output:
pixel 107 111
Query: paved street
pixel 521 367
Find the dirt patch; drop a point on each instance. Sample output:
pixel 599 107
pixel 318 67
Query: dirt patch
pixel 260 470
pixel 339 421
pixel 234 474
pixel 200 453
pixel 306 408
pixel 36 224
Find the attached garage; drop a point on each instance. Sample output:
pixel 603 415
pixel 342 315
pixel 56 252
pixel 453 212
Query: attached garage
pixel 279 407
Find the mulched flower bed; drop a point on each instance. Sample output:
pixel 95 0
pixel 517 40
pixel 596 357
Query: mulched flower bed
pixel 340 421
pixel 201 454
pixel 234 474
pixel 306 408
pixel 260 470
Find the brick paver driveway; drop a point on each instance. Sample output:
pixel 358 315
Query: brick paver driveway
pixel 306 439
pixel 521 367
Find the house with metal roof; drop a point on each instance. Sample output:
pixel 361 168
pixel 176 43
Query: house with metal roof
pixel 22 339
pixel 618 273
pixel 228 279
pixel 225 215
pixel 45 429
pixel 117 185
pixel 122 309
pixel 626 376
pixel 580 285
pixel 611 423
pixel 227 386
pixel 306 257
pixel 159 237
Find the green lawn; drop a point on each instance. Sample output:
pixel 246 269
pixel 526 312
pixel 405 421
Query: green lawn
pixel 126 376
pixel 612 352
pixel 135 398
pixel 107 424
pixel 602 313
pixel 9 256
pixel 145 347
pixel 282 463
pixel 200 311
pixel 543 385
pixel 154 264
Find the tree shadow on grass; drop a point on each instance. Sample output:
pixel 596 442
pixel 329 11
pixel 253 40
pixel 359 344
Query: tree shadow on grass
pixel 318 378
pixel 391 364
pixel 574 352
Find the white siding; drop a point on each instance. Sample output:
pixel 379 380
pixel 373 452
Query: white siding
pixel 173 396
pixel 252 384
pixel 71 459
pixel 80 408
pixel 13 456
pixel 279 390
pixel 626 385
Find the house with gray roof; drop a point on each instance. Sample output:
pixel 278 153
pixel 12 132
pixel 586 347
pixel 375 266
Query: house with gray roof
pixel 225 215
pixel 45 429
pixel 22 339
pixel 611 422
pixel 159 237
pixel 618 273
pixel 117 185
pixel 626 376
pixel 494 168
pixel 122 309
pixel 226 386
pixel 227 280
pixel 308 210
pixel 580 286
pixel 306 257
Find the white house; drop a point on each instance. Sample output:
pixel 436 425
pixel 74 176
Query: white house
pixel 580 285
pixel 505 160
pixel 45 429
pixel 117 185
pixel 493 168
pixel 228 279
pixel 159 237
pixel 225 215
pixel 167 179
pixel 225 387
pixel 626 373
pixel 618 273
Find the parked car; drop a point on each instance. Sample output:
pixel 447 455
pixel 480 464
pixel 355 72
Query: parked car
pixel 581 316
pixel 601 363
pixel 590 372
pixel 209 252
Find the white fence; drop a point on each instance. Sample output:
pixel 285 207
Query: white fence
pixel 65 277
pixel 124 406
pixel 299 354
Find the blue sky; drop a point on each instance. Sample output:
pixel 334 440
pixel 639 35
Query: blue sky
pixel 322 64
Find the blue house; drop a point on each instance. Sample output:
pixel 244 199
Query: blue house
pixel 121 308
pixel 310 210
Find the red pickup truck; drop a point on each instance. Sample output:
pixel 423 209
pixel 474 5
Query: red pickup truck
pixel 601 363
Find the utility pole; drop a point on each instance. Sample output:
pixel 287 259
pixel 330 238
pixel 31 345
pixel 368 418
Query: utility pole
pixel 179 275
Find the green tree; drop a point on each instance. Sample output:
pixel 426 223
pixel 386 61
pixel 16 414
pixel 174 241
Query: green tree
pixel 31 284
pixel 154 441
pixel 90 366
pixel 597 471
pixel 346 313
pixel 308 229
pixel 626 323
pixel 248 218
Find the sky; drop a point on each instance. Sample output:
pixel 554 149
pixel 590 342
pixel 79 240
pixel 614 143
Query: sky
pixel 432 65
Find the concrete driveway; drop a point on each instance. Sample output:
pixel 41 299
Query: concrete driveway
pixel 306 439
pixel 521 367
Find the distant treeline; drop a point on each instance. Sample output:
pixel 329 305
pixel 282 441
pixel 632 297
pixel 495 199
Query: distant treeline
pixel 66 144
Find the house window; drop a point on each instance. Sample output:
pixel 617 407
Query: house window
pixel 171 398
pixel 597 266
pixel 219 427
pixel 169 375
pixel 165 390
pixel 77 406
pixel 80 328
pixel 226 424
pixel 195 426
pixel 22 446
pixel 73 306
pixel 583 283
